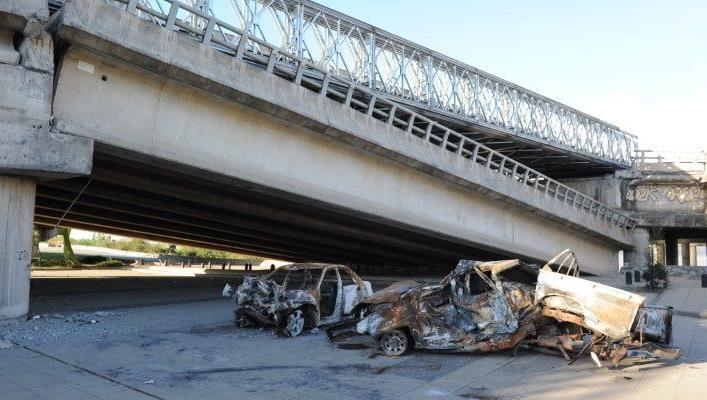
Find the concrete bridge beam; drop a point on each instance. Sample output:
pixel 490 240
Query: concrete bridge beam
pixel 639 257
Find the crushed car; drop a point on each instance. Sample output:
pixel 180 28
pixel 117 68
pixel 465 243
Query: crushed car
pixel 296 297
pixel 490 306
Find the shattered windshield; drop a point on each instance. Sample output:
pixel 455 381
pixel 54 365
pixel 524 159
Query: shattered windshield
pixel 301 279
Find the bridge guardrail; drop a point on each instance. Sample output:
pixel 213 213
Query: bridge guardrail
pixel 675 157
pixel 240 44
pixel 416 76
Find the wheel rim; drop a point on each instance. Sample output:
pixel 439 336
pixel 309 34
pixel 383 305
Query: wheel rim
pixel 295 323
pixel 394 342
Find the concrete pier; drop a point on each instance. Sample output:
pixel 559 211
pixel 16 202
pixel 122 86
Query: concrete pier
pixel 30 150
pixel 16 216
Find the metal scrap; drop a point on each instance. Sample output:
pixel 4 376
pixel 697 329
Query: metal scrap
pixel 291 297
pixel 496 305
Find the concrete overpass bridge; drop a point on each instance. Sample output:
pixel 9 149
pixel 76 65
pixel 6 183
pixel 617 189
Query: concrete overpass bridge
pixel 156 125
pixel 546 135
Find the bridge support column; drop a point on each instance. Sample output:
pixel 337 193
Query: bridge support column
pixel 16 218
pixel 639 257
pixel 30 150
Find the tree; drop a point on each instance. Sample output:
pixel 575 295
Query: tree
pixel 655 273
pixel 68 250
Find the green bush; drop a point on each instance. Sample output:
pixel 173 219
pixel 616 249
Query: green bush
pixel 656 276
pixel 92 259
pixel 52 263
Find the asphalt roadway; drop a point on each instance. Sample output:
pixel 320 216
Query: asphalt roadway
pixel 180 343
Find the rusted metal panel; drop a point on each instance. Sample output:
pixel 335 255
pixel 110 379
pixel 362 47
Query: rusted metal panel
pixel 605 309
pixel 655 323
pixel 391 293
pixel 489 306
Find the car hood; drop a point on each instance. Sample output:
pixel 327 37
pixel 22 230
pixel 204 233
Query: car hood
pixel 391 293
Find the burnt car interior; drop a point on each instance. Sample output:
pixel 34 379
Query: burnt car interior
pixel 301 279
pixel 295 297
pixel 328 293
pixel 507 305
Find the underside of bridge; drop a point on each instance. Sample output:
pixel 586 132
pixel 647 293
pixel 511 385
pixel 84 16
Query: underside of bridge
pixel 136 195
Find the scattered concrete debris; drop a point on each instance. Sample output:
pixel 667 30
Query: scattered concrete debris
pixel 53 326
pixel 6 344
pixel 298 296
pixel 490 306
pixel 104 314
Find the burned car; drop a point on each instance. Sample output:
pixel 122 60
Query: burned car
pixel 490 306
pixel 295 297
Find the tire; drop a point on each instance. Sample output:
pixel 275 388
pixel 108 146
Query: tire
pixel 241 319
pixel 395 342
pixel 294 325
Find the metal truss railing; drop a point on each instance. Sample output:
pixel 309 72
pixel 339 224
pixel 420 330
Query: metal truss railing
pixel 416 76
pixel 684 160
pixel 206 28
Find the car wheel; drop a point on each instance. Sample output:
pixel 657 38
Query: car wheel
pixel 394 343
pixel 295 323
pixel 241 319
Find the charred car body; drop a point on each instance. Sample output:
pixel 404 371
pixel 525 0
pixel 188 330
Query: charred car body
pixel 488 306
pixel 295 297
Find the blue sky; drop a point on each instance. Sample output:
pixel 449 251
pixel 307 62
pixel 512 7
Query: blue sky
pixel 641 65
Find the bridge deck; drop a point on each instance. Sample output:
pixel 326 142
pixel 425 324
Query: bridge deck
pixel 258 52
pixel 338 145
pixel 555 139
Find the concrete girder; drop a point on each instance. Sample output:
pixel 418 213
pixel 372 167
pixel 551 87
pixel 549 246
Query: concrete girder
pixel 48 222
pixel 192 189
pixel 186 225
pixel 227 222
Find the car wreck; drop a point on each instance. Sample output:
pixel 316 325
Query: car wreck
pixel 490 306
pixel 295 297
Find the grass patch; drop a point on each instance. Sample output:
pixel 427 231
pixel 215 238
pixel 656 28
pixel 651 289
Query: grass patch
pixel 106 264
pixel 52 263
pixel 55 263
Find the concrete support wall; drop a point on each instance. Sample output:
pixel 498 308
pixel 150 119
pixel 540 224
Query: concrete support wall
pixel 639 256
pixel 606 189
pixel 16 216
